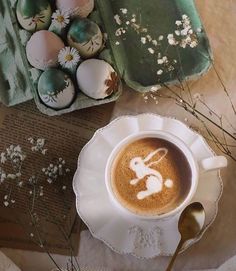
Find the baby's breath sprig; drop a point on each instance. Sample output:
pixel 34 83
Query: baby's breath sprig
pixel 13 156
pixel 14 179
pixel 184 35
pixel 11 161
pixel 38 145
pixel 55 170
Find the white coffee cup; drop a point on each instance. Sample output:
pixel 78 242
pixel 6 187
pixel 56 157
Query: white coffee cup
pixel 208 164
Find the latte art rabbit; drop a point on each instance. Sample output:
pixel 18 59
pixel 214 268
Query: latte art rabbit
pixel 154 182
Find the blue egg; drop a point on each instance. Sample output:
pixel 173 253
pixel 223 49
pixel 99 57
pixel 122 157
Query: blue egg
pixel 86 37
pixel 56 89
pixel 34 15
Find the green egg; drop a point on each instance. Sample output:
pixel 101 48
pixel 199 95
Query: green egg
pixel 56 89
pixel 34 15
pixel 86 37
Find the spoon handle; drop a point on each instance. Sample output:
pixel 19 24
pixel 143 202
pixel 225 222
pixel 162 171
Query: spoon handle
pixel 169 268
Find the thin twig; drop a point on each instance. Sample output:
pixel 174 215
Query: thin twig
pixel 41 242
pixel 221 81
pixel 224 88
pixel 194 110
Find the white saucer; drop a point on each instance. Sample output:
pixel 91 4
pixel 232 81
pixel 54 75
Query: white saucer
pixel 143 239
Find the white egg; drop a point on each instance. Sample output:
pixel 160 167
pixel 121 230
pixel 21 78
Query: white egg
pixel 97 79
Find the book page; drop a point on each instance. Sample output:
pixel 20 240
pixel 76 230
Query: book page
pixel 64 136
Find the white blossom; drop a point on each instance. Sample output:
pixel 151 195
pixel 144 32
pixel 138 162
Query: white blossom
pixel 177 32
pixel 149 38
pixel 184 35
pixel 154 42
pixel 38 145
pixel 41 193
pixel 151 51
pixel 11 176
pixel 119 31
pixel 33 180
pixel 3 158
pixel 31 140
pixel 193 44
pixel 49 180
pixel 14 155
pixel 124 10
pixel 6 203
pixel 44 151
pixel 159 72
pixel 133 20
pixel 3 175
pixel 184 32
pixel 60 18
pixel 117 19
pixel 178 23
pixel 68 57
pixel 143 40
pixel 54 171
pixel 165 59
pixel 172 41
pixel 190 31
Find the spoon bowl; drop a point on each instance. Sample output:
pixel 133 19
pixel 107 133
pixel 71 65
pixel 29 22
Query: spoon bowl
pixel 191 223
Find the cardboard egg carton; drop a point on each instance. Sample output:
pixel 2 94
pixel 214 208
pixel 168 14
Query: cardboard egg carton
pixel 139 47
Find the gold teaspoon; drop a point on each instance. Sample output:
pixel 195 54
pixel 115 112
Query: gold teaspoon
pixel 190 225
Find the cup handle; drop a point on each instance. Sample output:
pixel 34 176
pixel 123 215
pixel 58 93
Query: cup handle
pixel 214 163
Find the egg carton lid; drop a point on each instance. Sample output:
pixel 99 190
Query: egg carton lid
pixel 138 32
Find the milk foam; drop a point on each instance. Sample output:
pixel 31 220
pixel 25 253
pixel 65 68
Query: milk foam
pixel 154 182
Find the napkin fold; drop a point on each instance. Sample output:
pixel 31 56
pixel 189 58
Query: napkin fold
pixel 6 264
pixel 230 265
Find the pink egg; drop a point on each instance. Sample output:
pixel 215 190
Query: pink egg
pixel 43 48
pixel 80 8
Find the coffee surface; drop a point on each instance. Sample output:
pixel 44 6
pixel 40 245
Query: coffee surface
pixel 150 176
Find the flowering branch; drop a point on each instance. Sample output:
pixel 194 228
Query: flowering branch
pixel 13 176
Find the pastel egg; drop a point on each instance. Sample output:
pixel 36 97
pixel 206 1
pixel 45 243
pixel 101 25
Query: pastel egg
pixel 86 37
pixel 81 8
pixel 56 89
pixel 43 48
pixel 34 15
pixel 97 79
